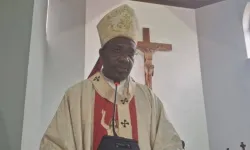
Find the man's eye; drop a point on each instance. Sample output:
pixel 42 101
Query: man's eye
pixel 131 54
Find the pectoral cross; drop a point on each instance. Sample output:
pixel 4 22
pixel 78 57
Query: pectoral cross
pixel 148 48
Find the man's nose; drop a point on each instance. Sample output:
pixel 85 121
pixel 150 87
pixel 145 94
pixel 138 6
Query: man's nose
pixel 124 59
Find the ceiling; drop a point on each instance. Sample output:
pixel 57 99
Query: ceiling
pixel 182 3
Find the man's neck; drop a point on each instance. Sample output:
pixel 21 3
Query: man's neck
pixel 123 84
pixel 111 81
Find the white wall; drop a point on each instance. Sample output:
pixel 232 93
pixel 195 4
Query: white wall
pixel 15 29
pixel 177 79
pixel 34 86
pixel 225 73
pixel 64 57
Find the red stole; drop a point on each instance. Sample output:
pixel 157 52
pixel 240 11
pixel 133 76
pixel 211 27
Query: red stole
pixel 103 109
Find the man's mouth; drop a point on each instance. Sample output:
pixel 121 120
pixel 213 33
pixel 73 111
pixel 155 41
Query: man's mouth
pixel 122 69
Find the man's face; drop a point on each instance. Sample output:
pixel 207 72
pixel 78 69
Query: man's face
pixel 118 58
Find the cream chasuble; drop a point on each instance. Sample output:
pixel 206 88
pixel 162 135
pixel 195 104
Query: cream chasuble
pixel 85 114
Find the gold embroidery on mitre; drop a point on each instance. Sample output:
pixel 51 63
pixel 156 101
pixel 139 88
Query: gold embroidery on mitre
pixel 121 21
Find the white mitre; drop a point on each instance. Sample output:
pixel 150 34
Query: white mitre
pixel 121 21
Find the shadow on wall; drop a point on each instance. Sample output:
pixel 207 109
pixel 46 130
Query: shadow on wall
pixel 4 143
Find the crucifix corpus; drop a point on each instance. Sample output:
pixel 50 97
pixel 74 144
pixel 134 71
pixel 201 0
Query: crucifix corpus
pixel 148 48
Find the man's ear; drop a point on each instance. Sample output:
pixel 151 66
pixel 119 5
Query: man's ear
pixel 100 52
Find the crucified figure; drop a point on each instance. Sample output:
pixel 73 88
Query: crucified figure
pixel 148 48
pixel 148 69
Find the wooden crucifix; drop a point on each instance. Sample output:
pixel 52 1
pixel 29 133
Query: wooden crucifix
pixel 148 48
